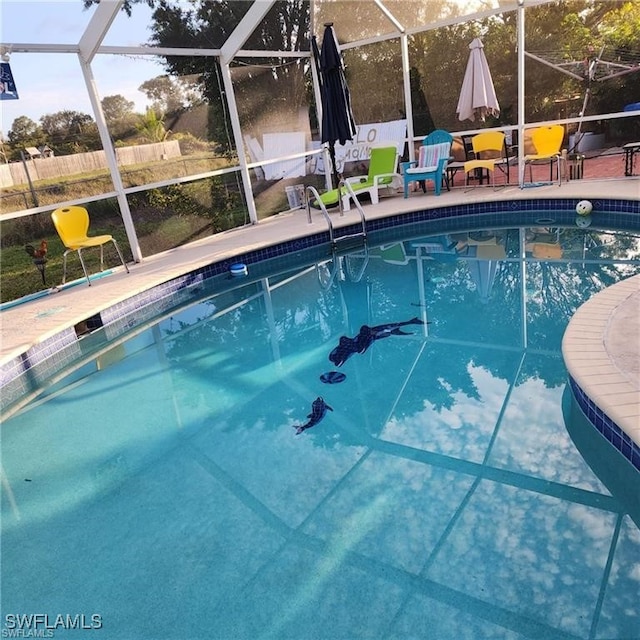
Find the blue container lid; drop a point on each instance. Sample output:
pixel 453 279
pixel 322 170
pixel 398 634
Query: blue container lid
pixel 238 269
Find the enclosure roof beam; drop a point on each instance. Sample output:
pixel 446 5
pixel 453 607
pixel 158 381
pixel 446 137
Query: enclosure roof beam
pixel 98 27
pixel 394 21
pixel 247 26
pixel 137 50
pixel 33 47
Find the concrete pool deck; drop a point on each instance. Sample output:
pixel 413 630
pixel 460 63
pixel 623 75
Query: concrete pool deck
pixel 603 360
pixel 601 350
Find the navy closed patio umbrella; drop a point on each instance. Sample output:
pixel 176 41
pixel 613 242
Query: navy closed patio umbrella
pixel 338 124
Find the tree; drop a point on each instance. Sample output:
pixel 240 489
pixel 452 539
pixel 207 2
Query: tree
pixel 119 115
pixel 575 31
pixel 557 32
pixel 70 132
pixel 24 133
pixel 126 7
pixel 207 24
pixel 620 31
pixel 116 108
pixel 170 94
pixel 438 57
pixel 151 128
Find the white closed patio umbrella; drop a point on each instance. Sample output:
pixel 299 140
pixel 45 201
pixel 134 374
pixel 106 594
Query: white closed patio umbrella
pixel 477 96
pixel 483 273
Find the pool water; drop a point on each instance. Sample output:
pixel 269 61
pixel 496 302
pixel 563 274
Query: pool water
pixel 163 487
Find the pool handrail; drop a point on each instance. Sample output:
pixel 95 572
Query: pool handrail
pixel 313 192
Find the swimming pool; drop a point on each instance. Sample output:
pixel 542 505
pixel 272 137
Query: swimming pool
pixel 162 487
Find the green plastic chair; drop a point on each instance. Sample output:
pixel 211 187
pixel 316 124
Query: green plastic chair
pixel 383 167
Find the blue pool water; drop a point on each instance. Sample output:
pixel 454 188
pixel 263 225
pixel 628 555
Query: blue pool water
pixel 162 489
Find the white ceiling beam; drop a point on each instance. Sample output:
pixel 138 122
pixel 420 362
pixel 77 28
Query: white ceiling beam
pixel 243 31
pixel 143 50
pixel 140 50
pixel 98 27
pixel 36 47
pixel 394 21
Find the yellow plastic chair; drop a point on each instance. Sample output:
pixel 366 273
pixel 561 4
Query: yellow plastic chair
pixel 547 142
pixel 487 142
pixel 72 225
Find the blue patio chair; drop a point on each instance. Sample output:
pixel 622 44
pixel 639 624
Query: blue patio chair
pixel 432 161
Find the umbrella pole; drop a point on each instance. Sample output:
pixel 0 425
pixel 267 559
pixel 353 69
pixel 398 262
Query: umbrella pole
pixel 334 169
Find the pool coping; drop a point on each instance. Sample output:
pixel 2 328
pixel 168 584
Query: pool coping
pixel 601 350
pixel 41 329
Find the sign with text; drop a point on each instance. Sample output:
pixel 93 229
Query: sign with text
pixel 8 89
pixel 368 136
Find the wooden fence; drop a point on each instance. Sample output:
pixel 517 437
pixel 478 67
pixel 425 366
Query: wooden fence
pixel 58 166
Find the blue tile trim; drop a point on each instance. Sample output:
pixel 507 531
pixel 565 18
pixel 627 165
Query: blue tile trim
pixel 30 371
pixel 619 214
pixel 609 429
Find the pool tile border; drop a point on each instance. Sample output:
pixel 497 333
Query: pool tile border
pixel 599 347
pixel 26 374
pixel 606 426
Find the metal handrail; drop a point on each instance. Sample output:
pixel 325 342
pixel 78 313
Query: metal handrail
pixel 311 190
pixel 326 285
pixel 343 262
pixel 325 213
pixel 351 193
pixel 357 275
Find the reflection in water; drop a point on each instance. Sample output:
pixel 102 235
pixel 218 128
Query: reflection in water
pixel 618 474
pixel 441 497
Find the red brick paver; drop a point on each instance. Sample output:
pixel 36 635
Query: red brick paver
pixel 609 165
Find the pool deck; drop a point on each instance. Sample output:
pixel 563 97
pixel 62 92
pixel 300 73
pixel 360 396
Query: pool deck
pixel 601 347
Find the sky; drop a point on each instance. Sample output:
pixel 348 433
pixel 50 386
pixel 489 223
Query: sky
pixel 51 82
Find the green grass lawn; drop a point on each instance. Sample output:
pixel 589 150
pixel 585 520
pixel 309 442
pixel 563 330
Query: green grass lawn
pixel 21 277
pixel 164 218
